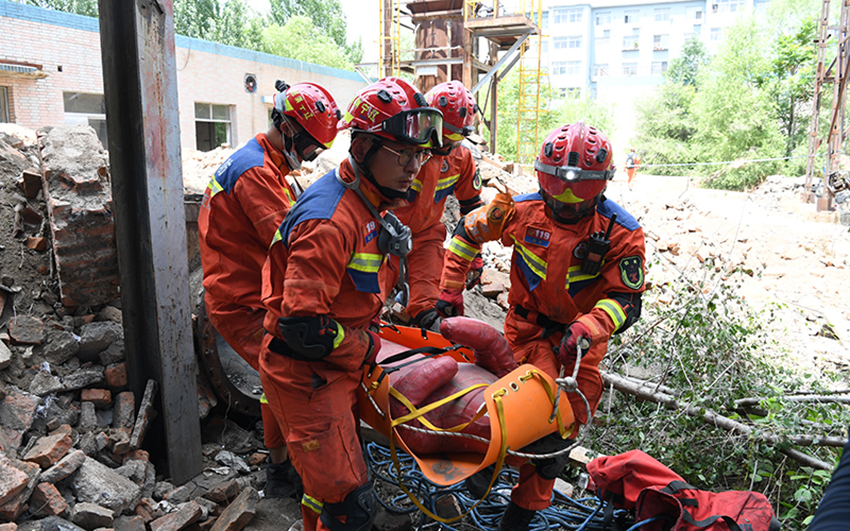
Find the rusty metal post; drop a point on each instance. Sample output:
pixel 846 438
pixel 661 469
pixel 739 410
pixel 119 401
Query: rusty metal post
pixel 142 116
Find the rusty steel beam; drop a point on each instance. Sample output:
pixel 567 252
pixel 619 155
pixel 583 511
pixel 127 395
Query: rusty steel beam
pixel 142 116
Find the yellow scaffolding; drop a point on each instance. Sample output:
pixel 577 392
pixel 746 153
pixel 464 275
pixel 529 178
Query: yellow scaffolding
pixel 530 83
pixel 389 58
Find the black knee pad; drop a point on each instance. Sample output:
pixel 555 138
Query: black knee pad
pixel 359 509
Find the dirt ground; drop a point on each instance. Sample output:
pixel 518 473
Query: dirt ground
pixel 785 255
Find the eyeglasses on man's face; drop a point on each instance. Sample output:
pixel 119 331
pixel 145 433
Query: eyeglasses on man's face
pixel 406 155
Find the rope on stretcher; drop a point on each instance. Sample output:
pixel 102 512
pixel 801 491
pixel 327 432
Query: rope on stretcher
pixel 565 513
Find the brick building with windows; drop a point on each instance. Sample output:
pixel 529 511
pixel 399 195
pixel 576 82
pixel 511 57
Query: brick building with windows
pixel 51 73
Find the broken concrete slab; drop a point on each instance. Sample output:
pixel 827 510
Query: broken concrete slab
pixel 97 336
pixel 187 514
pixel 239 513
pixel 81 378
pixel 114 353
pixel 232 460
pixel 97 483
pixel 273 514
pixel 5 354
pixel 129 523
pixel 91 516
pixel 45 383
pixel 61 346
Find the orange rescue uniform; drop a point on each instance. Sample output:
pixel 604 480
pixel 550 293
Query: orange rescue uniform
pixel 324 261
pixel 243 205
pixel 440 177
pixel 549 291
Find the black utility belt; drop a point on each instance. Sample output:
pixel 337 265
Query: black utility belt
pixel 548 325
pixel 279 346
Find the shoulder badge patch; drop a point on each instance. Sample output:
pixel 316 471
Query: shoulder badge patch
pixel 476 179
pixel 370 230
pixel 495 214
pixel 631 271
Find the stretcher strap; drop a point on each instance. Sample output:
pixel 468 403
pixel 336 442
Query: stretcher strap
pixel 419 414
pixel 503 450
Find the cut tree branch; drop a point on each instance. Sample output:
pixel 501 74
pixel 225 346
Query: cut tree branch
pixel 710 417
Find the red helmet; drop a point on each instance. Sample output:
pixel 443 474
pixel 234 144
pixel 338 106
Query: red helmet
pixel 312 107
pixel 392 108
pixel 573 169
pixel 458 107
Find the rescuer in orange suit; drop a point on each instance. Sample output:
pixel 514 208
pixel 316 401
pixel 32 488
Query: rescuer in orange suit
pixel 324 281
pixel 577 271
pixel 243 205
pixel 451 170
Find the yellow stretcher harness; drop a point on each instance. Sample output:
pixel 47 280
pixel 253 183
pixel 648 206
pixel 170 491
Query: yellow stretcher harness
pixel 520 406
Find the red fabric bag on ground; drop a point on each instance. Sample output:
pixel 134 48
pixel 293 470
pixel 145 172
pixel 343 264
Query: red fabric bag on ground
pixel 634 480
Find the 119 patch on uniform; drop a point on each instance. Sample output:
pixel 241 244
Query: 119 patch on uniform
pixel 631 271
pixel 370 230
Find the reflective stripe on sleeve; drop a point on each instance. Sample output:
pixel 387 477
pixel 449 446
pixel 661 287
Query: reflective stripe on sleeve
pixel 614 311
pixel 366 262
pixel 463 249
pixel 312 503
pixel 534 262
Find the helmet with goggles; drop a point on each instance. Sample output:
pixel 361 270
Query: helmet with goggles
pixel 458 107
pixel 573 169
pixel 392 108
pixel 314 109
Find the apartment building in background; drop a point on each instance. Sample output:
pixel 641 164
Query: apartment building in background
pixel 618 50
pixel 51 74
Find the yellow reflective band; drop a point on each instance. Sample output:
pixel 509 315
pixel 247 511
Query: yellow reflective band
pixel 567 196
pixel 277 237
pixel 214 187
pixel 288 196
pixel 287 106
pixel 614 311
pixel 263 399
pixel 537 264
pixel 340 334
pixel 454 137
pixel 312 503
pixel 447 182
pixel 416 186
pixel 575 274
pixel 463 249
pixel 366 262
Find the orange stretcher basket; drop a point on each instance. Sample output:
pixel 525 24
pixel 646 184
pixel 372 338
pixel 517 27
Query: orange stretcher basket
pixel 520 407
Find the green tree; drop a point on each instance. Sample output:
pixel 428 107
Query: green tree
pixel 301 40
pixel 666 126
pixel 235 26
pixel 80 7
pixel 683 70
pixel 194 18
pixel 326 15
pixel 735 118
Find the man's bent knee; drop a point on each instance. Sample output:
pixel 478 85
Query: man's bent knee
pixel 358 509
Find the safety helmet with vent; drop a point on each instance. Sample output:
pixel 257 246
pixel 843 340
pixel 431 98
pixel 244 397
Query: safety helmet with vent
pixel 392 108
pixel 573 168
pixel 313 108
pixel 458 107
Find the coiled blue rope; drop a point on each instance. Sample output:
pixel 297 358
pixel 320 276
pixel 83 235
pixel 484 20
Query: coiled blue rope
pixel 583 514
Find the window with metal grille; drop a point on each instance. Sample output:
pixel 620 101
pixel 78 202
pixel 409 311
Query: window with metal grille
pixel 89 109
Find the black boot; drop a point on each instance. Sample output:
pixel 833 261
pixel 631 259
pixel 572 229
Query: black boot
pixel 477 483
pixel 516 518
pixel 283 481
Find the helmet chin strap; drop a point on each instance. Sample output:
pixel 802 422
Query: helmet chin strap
pixel 292 159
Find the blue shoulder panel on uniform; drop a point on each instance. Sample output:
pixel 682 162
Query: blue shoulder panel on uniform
pixel 251 155
pixel 528 197
pixel 624 219
pixel 319 201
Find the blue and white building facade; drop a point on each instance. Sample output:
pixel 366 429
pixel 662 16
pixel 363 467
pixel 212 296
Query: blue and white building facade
pixel 615 49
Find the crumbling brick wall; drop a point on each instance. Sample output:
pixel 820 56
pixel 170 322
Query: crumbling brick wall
pixel 79 203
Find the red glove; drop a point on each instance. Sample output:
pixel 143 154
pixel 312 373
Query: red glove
pixel 476 268
pixel 450 303
pixel 567 351
pixel 374 347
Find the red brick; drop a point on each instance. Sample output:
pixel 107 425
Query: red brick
pixel 123 412
pixel 36 243
pixel 49 450
pixel 15 506
pixel 46 501
pixel 12 480
pixel 100 397
pixel 116 375
pixel 27 329
pixel 239 513
pixel 189 513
